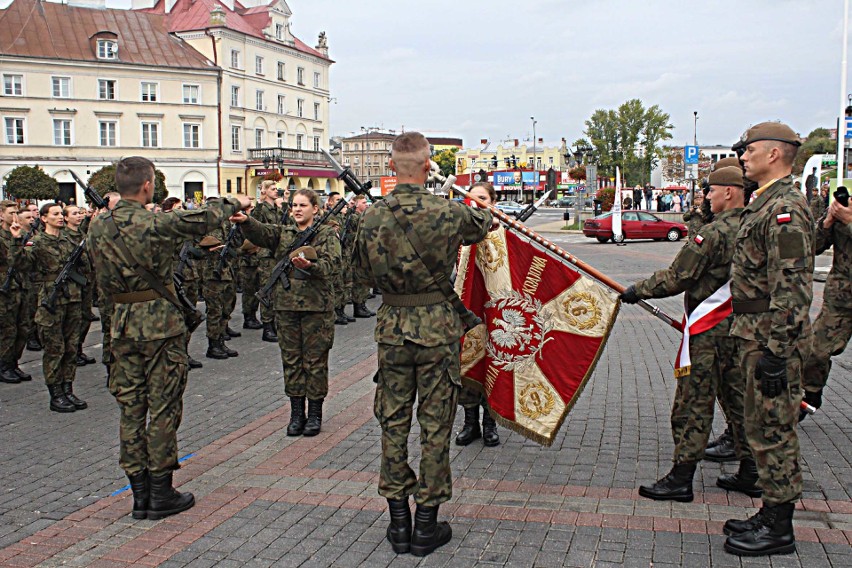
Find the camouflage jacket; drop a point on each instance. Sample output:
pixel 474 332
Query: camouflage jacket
pixel 701 267
pixel 84 266
pixel 385 259
pixel 838 286
pixel 152 239
pixel 11 255
pixel 47 256
pixel 208 264
pixel 774 260
pixel 269 214
pixel 310 290
pixel 818 208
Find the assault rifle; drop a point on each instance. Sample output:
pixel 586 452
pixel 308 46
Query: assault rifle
pixel 527 212
pixel 285 265
pixel 90 193
pixel 346 233
pixel 68 272
pixel 226 251
pixel 186 251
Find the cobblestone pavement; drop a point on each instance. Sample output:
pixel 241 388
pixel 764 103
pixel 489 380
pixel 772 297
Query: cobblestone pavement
pixel 265 499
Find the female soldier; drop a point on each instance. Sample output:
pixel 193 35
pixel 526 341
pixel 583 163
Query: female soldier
pixel 74 231
pixel 304 314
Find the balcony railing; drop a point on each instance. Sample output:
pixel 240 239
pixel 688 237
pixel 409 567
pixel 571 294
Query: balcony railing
pixel 290 156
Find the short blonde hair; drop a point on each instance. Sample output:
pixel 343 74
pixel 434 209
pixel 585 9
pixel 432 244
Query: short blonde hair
pixel 266 184
pixel 409 152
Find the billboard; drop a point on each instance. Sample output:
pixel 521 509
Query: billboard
pixel 506 178
pixel 530 178
pixel 387 184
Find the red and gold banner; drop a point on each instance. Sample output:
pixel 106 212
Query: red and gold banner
pixel 545 326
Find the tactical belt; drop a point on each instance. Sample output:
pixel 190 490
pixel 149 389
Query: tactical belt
pixel 138 297
pixel 750 306
pixel 413 300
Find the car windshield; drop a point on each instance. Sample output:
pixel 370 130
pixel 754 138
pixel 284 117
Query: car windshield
pixel 604 216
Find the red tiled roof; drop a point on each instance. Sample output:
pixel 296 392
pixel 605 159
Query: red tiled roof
pixel 30 28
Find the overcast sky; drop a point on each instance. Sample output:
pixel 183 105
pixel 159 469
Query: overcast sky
pixel 481 69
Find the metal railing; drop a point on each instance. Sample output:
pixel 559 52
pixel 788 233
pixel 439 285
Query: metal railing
pixel 287 155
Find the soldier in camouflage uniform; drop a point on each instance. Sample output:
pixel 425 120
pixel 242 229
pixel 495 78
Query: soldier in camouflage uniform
pixel 268 213
pixel 149 374
pixel 304 313
pixel 818 203
pixel 12 300
pixel 418 333
pixel 220 294
pixel 105 305
pixel 336 222
pixel 833 325
pixel 700 269
pixel 250 268
pixel 360 293
pixel 74 231
pixel 33 341
pixel 772 289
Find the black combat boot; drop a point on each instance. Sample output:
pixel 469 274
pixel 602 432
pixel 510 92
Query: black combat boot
pixel 224 347
pixel 68 389
pixel 349 318
pixel 736 526
pixel 362 311
pixel 428 534
pixel 8 374
pixel 83 359
pixel 297 416
pixel 193 363
pixel 399 530
pixel 141 487
pixel 490 437
pixel 165 500
pixel 314 423
pixel 744 481
pixel 231 333
pixel 214 349
pixel 814 398
pixel 773 535
pixel 91 316
pixel 722 448
pixel 470 430
pixel 58 401
pixel 339 317
pixel 269 333
pixel 675 486
pixel 250 322
pixel 33 343
pixel 22 375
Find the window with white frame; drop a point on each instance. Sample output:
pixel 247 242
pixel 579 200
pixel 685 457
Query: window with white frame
pixel 106 89
pixel 61 87
pixel 150 134
pixel 282 104
pixel 258 64
pixel 236 139
pixel 258 137
pixel 300 108
pixel 258 100
pixel 14 130
pixel 149 92
pixel 192 94
pixel 300 138
pixel 61 132
pixel 191 135
pixel 281 71
pixel 107 49
pixel 316 143
pixel 279 32
pixel 300 75
pixel 13 85
pixel 316 111
pixel 235 96
pixel 235 58
pixel 107 130
pixel 281 138
pixel 316 80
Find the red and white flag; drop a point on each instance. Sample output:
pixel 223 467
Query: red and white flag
pixel 545 326
pixel 706 315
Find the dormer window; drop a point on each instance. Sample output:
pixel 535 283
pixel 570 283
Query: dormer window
pixel 107 49
pixel 279 32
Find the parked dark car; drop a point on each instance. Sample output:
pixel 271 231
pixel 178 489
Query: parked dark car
pixel 634 225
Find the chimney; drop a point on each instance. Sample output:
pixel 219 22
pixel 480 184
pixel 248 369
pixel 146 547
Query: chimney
pixel 541 140
pixel 516 142
pixel 217 16
pixel 483 141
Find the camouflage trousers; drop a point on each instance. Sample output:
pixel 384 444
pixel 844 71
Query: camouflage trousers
pixel 220 297
pixel 12 306
pixel 147 381
pixel 265 266
pixel 251 284
pixel 358 293
pixel 714 373
pixel 345 293
pixel 86 309
pixel 770 425
pixel 60 335
pixel 305 338
pixel 833 327
pixel 105 310
pixel 429 375
pixel 27 326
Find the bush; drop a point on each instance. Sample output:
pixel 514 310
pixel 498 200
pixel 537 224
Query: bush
pixel 606 195
pixel 30 182
pixel 103 181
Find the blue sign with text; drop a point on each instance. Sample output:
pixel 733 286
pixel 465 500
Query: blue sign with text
pixel 690 154
pixel 506 178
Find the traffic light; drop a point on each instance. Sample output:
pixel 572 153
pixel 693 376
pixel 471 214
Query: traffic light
pixel 494 162
pixel 483 175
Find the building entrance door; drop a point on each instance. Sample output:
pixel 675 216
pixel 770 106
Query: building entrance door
pixel 68 193
pixel 193 190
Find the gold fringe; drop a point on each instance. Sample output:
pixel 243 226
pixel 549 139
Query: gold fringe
pixel 681 372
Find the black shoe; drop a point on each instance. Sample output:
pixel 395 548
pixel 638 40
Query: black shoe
pixel 193 363
pixel 370 296
pixel 744 481
pixel 314 423
pixel 736 526
pixel 83 357
pixel 92 317
pixel 812 398
pixel 340 317
pixel 8 375
pixel 428 533
pixel 165 500
pixel 721 449
pixel 490 437
pixel 58 401
pixel 362 311
pixel 470 430
pixel 297 416
pixel 231 333
pixel 399 530
pixel 33 344
pixel 774 534
pixel 68 389
pixel 22 375
pixel 269 333
pixel 675 486
pixel 224 347
pixel 141 487
pixel 250 322
pixel 214 350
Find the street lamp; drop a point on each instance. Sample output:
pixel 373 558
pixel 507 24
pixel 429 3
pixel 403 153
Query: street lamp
pixel 694 175
pixel 535 167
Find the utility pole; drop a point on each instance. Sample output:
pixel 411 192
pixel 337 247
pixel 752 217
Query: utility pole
pixel 841 121
pixel 535 167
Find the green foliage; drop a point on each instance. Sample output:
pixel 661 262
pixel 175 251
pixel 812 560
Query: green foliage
pixel 818 142
pixel 607 197
pixel 103 181
pixel 30 182
pixel 446 160
pixel 629 137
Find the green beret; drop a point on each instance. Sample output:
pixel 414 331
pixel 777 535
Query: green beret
pixel 726 176
pixel 726 163
pixel 768 131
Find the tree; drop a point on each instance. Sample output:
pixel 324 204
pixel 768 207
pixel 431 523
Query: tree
pixel 629 137
pixel 819 141
pixel 103 181
pixel 606 195
pixel 30 182
pixel 446 160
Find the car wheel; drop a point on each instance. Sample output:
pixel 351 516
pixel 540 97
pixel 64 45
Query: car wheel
pixel 618 238
pixel 602 239
pixel 673 235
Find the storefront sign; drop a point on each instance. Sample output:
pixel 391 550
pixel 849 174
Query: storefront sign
pixel 387 184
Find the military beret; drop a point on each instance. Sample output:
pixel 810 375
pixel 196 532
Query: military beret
pixel 726 176
pixel 249 247
pixel 308 253
pixel 209 241
pixel 726 163
pixel 768 131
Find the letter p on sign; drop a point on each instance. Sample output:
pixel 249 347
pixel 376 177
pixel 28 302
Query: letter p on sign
pixel 690 154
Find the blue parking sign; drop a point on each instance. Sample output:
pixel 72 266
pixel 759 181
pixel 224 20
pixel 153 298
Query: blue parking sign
pixel 848 127
pixel 690 154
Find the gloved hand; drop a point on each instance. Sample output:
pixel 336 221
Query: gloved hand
pixel 772 374
pixel 812 398
pixel 629 296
